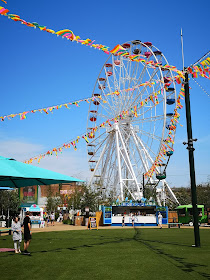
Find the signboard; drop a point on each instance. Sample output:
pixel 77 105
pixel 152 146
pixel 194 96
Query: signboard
pixel 93 223
pixel 132 204
pixel 28 196
pixel 107 215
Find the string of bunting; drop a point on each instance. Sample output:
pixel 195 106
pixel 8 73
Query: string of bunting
pixel 65 33
pixel 201 69
pixel 153 97
pixel 50 109
pixel 119 50
pixel 166 148
pixel 69 35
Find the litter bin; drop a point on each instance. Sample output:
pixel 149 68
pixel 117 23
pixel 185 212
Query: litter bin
pixel 78 220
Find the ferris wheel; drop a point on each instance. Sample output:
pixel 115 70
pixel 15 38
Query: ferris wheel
pixel 122 145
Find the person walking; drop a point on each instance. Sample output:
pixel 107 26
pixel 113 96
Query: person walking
pixel 160 220
pixel 27 232
pixel 133 220
pixel 123 221
pixel 52 218
pixel 16 234
pixel 48 219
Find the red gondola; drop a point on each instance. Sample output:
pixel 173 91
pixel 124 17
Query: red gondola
pixel 149 44
pixel 126 46
pixel 147 54
pixel 117 62
pixel 109 69
pixel 93 116
pixel 91 150
pixel 96 101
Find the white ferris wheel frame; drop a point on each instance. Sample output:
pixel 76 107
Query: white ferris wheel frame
pixel 116 136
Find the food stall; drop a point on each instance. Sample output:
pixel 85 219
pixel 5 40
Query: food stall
pixel 144 215
pixel 36 216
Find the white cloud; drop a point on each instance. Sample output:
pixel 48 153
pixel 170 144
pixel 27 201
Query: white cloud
pixel 18 149
pixel 70 162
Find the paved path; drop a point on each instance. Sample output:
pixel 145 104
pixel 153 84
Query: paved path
pixel 62 227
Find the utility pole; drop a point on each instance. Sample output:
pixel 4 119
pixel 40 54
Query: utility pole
pixel 191 161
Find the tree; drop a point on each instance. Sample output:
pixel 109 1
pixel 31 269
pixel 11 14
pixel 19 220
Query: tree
pixel 183 195
pixel 89 199
pixel 52 201
pixel 9 201
pixel 203 195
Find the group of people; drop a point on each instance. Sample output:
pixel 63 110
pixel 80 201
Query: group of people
pixel 160 220
pixel 50 218
pixel 17 233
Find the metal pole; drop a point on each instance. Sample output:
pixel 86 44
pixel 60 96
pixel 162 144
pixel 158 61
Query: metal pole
pixel 191 162
pixel 143 185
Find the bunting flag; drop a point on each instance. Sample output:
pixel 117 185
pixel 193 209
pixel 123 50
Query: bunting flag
pixel 50 109
pixel 201 69
pixel 90 135
pixel 69 35
pixel 65 33
pixel 169 140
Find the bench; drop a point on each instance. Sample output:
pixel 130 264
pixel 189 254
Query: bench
pixel 8 230
pixel 174 225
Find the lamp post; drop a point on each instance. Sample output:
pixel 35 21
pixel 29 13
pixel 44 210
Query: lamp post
pixel 191 161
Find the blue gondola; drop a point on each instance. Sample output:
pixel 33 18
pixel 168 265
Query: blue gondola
pixel 169 153
pixel 170 101
pixel 170 89
pixel 169 114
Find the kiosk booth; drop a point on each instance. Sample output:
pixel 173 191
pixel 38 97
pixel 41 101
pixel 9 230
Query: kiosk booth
pixel 36 215
pixel 144 215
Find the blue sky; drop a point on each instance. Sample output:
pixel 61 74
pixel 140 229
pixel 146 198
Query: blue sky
pixel 38 69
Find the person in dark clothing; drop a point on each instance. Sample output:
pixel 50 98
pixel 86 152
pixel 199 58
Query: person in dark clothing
pixel 27 232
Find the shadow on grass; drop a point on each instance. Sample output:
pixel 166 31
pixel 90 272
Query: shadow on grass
pixel 179 262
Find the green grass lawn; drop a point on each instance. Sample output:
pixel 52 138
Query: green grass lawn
pixel 110 254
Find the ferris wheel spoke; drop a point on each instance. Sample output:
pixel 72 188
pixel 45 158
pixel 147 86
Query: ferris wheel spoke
pixel 150 108
pixel 147 149
pixel 136 83
pixel 153 136
pixel 144 161
pixel 114 98
pixel 142 91
pixel 149 119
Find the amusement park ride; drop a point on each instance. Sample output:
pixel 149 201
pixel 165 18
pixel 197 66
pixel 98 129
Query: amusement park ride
pixel 121 152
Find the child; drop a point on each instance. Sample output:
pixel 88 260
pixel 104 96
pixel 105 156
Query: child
pixel 17 234
pixel 160 218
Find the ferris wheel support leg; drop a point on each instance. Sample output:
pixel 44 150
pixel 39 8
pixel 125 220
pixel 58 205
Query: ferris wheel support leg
pixel 128 163
pixel 163 195
pixel 146 152
pixel 139 151
pixel 119 163
pixel 171 192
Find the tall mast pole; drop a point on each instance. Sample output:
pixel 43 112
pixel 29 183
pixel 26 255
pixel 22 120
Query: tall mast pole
pixel 191 154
